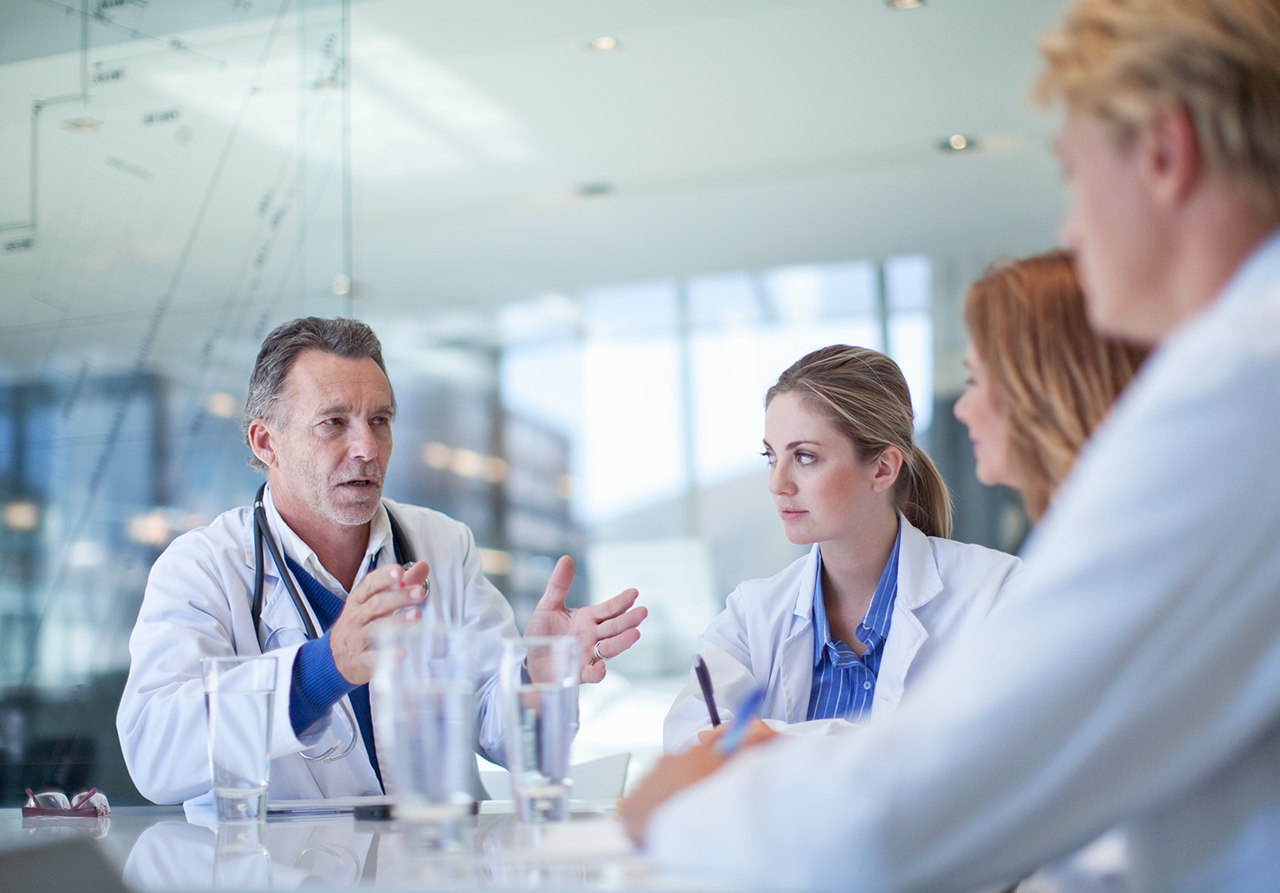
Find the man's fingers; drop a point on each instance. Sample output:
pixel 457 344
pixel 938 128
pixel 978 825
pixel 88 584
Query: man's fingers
pixel 375 581
pixel 617 625
pixel 593 672
pixel 615 606
pixel 389 577
pixel 388 601
pixel 557 586
pixel 416 574
pixel 613 646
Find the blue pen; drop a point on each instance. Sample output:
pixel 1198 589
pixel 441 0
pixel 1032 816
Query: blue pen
pixel 732 738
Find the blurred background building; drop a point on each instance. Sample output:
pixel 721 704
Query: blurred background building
pixel 589 232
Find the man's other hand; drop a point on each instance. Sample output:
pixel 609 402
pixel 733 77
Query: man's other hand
pixel 607 629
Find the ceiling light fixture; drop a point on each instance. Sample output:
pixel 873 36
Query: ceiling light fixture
pixel 595 190
pixel 958 142
pixel 603 44
pixel 81 125
pixel 905 4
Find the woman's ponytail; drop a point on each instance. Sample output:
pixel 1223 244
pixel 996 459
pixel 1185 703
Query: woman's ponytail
pixel 926 501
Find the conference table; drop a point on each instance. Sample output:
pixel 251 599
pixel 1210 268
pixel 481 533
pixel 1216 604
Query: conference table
pixel 156 848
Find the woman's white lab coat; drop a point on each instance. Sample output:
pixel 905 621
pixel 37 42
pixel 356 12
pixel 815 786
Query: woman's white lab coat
pixel 198 604
pixel 764 636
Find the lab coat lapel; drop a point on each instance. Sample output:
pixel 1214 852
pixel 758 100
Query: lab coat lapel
pixel 918 584
pixel 796 665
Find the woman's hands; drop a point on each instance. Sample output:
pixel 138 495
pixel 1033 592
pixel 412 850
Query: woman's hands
pixel 669 777
pixel 757 733
pixel 674 773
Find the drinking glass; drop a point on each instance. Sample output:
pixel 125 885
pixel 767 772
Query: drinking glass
pixel 539 678
pixel 424 694
pixel 239 696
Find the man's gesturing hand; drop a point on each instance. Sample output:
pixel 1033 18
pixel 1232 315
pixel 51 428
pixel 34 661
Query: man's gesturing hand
pixel 608 628
pixel 380 594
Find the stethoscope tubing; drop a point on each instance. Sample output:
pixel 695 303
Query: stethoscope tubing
pixel 261 533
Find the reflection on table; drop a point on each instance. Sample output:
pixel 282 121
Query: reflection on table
pixel 159 850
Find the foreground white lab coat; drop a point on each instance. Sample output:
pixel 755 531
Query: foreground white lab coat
pixel 198 604
pixel 764 636
pixel 1133 678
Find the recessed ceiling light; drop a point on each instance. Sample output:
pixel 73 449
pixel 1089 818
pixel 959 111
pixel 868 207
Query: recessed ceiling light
pixel 603 44
pixel 905 4
pixel 593 190
pixel 958 142
pixel 81 125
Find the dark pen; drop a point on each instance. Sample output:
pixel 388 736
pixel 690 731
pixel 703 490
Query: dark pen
pixel 704 679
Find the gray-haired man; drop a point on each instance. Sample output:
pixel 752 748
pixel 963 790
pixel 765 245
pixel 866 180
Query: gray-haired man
pixel 318 420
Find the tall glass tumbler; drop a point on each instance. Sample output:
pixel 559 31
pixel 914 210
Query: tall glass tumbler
pixel 424 707
pixel 539 677
pixel 239 695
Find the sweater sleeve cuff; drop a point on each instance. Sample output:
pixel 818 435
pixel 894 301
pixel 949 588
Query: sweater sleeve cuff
pixel 316 686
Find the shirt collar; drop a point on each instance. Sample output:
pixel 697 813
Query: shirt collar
pixel 879 613
pixel 1255 274
pixel 296 548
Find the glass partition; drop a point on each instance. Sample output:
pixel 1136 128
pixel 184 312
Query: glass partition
pixel 179 180
pixel 177 183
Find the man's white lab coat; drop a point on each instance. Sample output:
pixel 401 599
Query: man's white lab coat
pixel 1133 677
pixel 764 637
pixel 197 605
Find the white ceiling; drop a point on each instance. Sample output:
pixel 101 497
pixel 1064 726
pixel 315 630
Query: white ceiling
pixel 731 134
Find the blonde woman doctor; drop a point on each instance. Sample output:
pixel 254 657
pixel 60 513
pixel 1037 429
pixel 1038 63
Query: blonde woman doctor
pixel 837 636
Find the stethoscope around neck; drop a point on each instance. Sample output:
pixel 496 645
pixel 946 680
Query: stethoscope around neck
pixel 261 533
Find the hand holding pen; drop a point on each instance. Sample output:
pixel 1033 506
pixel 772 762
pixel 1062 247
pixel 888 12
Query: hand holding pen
pixel 731 740
pixel 753 732
pixel 675 773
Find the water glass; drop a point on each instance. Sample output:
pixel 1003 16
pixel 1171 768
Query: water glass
pixel 424 706
pixel 239 696
pixel 539 678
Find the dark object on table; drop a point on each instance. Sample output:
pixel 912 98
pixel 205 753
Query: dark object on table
pixel 74 865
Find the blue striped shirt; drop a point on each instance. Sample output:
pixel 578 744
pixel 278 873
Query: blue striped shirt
pixel 844 684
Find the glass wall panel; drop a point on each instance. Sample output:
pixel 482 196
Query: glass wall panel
pixel 180 182
pixel 176 186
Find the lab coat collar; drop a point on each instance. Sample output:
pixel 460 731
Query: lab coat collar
pixel 804 593
pixel 918 579
pixel 296 548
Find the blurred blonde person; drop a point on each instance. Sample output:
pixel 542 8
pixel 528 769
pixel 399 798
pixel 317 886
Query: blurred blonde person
pixel 1040 379
pixel 835 637
pixel 1132 680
